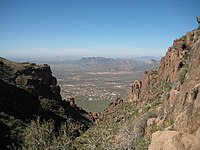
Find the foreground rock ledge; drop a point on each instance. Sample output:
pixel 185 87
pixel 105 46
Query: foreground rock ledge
pixel 173 140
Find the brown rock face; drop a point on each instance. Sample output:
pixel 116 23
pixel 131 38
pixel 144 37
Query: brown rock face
pixel 179 80
pixel 94 116
pixel 172 140
pixel 135 92
pixel 172 90
pixel 175 84
pixel 71 101
pixel 184 98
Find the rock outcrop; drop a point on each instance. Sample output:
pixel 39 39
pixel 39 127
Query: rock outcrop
pixel 135 92
pixel 96 116
pixel 33 86
pixel 112 105
pixel 28 91
pixel 172 90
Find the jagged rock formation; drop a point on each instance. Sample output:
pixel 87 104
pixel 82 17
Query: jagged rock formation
pixel 111 106
pixel 173 89
pixel 135 92
pixel 29 90
pixel 96 116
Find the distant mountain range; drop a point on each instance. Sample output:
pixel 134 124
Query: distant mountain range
pixel 102 61
pixel 147 58
pixel 74 59
pixel 118 63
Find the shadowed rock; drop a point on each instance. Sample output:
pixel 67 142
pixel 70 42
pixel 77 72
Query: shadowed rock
pixel 28 90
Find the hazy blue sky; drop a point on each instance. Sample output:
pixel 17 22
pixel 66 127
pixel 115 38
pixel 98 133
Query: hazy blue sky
pixel 93 27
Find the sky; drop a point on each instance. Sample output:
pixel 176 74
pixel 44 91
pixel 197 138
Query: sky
pixel 122 28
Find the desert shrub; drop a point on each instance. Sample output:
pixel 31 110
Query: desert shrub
pixel 155 101
pixel 184 68
pixel 194 93
pixel 154 128
pixel 114 131
pixel 141 143
pixel 42 136
pixel 167 86
pixel 154 73
pixel 11 134
pixel 181 75
pixel 171 121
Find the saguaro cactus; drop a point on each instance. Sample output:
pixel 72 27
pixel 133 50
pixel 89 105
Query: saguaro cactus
pixel 198 20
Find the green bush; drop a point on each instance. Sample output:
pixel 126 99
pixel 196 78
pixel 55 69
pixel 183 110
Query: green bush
pixel 167 86
pixel 194 93
pixel 171 121
pixel 181 75
pixel 154 128
pixel 141 143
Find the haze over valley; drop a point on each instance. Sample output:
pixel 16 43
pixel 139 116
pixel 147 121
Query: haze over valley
pixel 94 82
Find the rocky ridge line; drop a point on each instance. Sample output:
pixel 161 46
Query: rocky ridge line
pixel 173 92
pixel 29 91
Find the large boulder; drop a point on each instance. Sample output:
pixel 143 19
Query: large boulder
pixel 173 140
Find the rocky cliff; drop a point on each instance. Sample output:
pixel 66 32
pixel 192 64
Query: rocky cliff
pixel 172 91
pixel 28 91
pixel 161 112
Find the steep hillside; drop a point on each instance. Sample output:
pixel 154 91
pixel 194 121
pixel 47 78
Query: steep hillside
pixel 28 91
pixel 175 83
pixel 167 99
pixel 173 90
